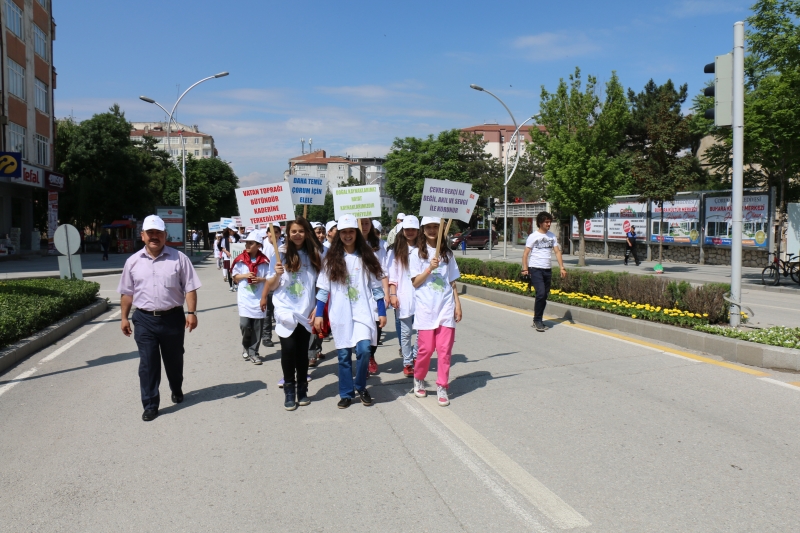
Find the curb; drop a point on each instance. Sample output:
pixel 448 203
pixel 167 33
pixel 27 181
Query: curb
pixel 739 351
pixel 23 348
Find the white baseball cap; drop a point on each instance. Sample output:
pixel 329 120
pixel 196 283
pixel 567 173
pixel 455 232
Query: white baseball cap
pixel 315 225
pixel 330 225
pixel 233 227
pixel 347 222
pixel 411 222
pixel 255 237
pixel 153 222
pixel 377 225
pixel 430 220
pixel 401 216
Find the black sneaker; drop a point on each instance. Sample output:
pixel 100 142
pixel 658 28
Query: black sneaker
pixel 364 396
pixel 268 343
pixel 539 325
pixel 344 403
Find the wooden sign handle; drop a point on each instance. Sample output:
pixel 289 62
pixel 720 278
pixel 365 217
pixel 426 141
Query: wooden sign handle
pixel 439 238
pixel 274 243
pixel 305 211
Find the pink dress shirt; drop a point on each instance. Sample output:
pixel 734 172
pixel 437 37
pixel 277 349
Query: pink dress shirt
pixel 158 284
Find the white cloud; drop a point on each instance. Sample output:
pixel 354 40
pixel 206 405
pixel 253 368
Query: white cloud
pixel 693 8
pixel 367 150
pixel 552 46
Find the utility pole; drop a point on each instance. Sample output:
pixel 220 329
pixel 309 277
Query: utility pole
pixel 737 180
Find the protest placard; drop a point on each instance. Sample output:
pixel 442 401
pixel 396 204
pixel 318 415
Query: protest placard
pixel 447 199
pixel 265 203
pixel 238 221
pixel 362 201
pixel 214 227
pixel 308 190
pixel 225 222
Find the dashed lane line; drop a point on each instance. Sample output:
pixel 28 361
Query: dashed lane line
pixel 793 386
pixel 624 338
pixel 28 373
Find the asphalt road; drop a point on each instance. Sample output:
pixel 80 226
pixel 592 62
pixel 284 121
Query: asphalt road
pixel 571 429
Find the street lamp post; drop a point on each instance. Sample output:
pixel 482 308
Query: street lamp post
pixel 170 121
pixel 506 177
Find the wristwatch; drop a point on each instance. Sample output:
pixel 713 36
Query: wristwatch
pixel 189 312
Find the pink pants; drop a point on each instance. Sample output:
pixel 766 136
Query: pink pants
pixel 440 339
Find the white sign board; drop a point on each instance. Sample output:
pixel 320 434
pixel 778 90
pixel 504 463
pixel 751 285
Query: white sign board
pixel 362 201
pixel 225 222
pixel 308 190
pixel 593 228
pixel 265 203
pixel 755 217
pixel 237 221
pixel 622 215
pixel 447 199
pixel 67 239
pixel 214 227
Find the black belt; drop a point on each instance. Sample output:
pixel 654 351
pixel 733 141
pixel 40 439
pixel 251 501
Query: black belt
pixel 161 313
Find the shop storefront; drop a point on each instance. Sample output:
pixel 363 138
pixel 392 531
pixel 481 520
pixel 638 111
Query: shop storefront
pixel 18 183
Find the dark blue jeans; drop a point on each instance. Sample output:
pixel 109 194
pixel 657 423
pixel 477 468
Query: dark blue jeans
pixel 159 337
pixel 540 279
pixel 347 389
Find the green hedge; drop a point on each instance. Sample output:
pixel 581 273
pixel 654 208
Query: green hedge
pixel 29 305
pixel 656 291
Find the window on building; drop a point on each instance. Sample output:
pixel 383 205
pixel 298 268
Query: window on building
pixel 16 138
pixel 42 149
pixel 41 98
pixel 207 153
pixel 322 175
pixel 322 167
pixel 197 153
pixel 14 19
pixel 16 79
pixel 197 140
pixel 44 3
pixel 40 42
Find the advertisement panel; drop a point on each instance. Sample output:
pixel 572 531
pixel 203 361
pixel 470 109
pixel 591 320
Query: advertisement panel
pixel 623 215
pixel 174 221
pixel 525 227
pixel 593 228
pixel 681 224
pixel 52 221
pixel 32 176
pixel 10 164
pixel 755 217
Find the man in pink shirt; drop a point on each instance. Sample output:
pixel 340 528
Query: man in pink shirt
pixel 157 280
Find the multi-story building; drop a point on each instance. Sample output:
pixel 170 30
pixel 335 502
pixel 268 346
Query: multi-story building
pixel 26 119
pixel 371 171
pixel 196 143
pixel 498 138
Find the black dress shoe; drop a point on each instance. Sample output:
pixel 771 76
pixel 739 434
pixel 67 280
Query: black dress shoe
pixel 177 397
pixel 344 403
pixel 149 414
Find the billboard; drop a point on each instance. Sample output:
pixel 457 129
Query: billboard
pixel 593 228
pixel 681 224
pixel 623 215
pixel 173 218
pixel 755 218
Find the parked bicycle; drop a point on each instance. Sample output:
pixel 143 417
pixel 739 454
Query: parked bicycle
pixel 771 275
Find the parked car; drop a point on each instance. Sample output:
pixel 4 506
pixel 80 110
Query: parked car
pixel 476 238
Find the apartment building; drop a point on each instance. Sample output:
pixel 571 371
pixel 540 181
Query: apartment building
pixel 498 138
pixel 195 143
pixel 27 128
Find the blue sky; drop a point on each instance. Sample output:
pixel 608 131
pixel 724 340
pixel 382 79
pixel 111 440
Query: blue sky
pixel 355 75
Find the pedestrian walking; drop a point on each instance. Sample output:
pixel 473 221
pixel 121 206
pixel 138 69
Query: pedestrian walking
pixel 217 251
pixel 537 263
pixel 373 238
pixel 294 282
pixel 351 275
pixel 105 244
pixel 228 237
pixel 269 319
pixel 401 290
pixel 437 308
pixel 630 246
pixel 250 269
pixel 158 280
pixel 464 246
pixel 396 229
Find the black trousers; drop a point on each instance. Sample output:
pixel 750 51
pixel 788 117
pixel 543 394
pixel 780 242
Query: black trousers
pixel 316 344
pixel 631 251
pixel 540 279
pixel 159 337
pixel 266 328
pixel 294 355
pixel 373 349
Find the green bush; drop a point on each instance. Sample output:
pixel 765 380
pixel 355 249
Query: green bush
pixel 28 305
pixel 494 269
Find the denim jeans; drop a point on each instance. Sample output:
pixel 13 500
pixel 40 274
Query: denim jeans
pixel 397 323
pixel 346 387
pixel 406 340
pixel 540 279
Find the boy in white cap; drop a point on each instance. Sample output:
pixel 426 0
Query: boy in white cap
pixel 250 270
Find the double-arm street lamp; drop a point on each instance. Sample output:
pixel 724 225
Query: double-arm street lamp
pixel 507 176
pixel 171 121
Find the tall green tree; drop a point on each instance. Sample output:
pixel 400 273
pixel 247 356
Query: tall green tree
pixel 582 148
pixel 210 190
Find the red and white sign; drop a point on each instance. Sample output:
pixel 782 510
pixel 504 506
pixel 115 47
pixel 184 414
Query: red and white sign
pixel 593 228
pixel 53 181
pixel 626 226
pixel 263 204
pixel 587 226
pixel 32 176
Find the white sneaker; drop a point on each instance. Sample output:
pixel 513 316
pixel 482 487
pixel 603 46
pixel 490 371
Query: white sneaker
pixel 244 354
pixel 419 388
pixel 441 392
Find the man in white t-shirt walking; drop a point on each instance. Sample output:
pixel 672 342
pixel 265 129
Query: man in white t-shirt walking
pixel 537 263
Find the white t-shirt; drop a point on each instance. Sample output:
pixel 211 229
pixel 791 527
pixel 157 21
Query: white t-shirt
pixel 400 276
pixel 434 303
pixel 541 245
pixel 350 305
pixel 382 256
pixel 294 298
pixel 248 295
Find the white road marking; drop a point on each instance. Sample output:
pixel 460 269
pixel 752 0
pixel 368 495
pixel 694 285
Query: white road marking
pixel 464 456
pixel 25 375
pixel 781 383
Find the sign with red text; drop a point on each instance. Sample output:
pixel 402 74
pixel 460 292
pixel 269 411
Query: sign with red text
pixel 624 215
pixel 755 221
pixel 593 228
pixel 263 204
pixel 447 199
pixel 32 176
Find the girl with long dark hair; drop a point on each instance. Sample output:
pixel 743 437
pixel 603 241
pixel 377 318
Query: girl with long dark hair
pixel 294 284
pixel 437 308
pixel 401 290
pixel 351 276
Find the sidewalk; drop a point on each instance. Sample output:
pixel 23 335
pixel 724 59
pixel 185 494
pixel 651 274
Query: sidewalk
pixel 37 266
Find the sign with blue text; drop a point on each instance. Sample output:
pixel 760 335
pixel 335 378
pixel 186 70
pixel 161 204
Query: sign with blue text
pixel 308 190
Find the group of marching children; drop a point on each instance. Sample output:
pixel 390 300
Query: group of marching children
pixel 336 280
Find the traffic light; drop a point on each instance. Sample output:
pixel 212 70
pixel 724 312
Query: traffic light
pixel 492 204
pixel 722 90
